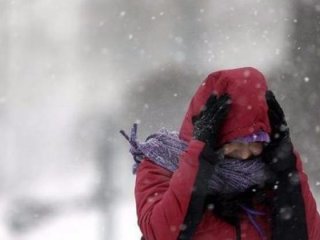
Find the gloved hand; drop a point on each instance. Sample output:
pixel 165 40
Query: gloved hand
pixel 208 122
pixel 278 154
pixel 287 193
pixel 206 126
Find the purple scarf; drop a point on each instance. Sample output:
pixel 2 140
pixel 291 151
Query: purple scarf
pixel 230 175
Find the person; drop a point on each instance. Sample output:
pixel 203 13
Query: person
pixel 231 172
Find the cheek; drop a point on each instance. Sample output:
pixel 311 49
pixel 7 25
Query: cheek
pixel 233 152
pixel 229 149
pixel 257 150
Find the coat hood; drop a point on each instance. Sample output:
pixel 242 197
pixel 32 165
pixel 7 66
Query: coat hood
pixel 249 110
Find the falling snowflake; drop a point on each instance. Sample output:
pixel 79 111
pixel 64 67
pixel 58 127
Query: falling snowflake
pixel 286 213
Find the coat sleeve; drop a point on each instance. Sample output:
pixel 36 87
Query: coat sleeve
pixel 312 215
pixel 162 198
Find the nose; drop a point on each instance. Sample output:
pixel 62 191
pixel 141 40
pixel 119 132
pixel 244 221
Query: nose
pixel 245 153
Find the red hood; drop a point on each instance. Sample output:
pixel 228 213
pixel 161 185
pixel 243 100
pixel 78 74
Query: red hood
pixel 249 109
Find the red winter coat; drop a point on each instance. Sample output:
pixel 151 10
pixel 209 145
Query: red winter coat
pixel 162 197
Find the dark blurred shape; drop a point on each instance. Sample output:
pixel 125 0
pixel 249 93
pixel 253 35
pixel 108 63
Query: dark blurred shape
pixel 25 214
pixel 297 82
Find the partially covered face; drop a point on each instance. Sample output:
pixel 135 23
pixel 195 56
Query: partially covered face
pixel 243 151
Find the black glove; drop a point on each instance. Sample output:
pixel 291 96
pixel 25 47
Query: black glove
pixel 209 121
pixel 278 154
pixel 206 126
pixel 288 209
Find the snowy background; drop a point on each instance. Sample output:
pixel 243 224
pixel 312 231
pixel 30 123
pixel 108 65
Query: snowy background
pixel 73 73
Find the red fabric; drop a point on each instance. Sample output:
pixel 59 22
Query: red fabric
pixel 162 198
pixel 249 110
pixel 312 215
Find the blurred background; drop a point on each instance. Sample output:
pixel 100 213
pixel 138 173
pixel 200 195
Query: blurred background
pixel 73 73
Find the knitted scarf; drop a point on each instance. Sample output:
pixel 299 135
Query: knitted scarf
pixel 164 147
